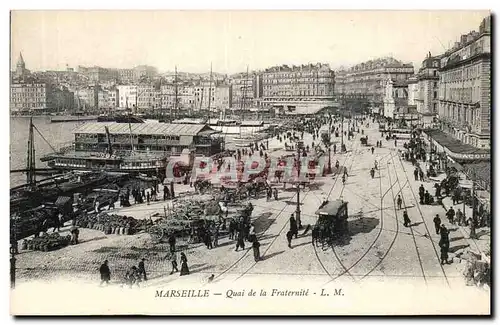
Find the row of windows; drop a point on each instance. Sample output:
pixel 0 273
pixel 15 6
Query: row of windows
pixel 297 75
pixel 467 73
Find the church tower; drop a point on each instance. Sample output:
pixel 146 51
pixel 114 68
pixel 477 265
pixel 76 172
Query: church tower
pixel 20 66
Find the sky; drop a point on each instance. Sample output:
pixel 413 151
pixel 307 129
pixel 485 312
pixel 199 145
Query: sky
pixel 231 40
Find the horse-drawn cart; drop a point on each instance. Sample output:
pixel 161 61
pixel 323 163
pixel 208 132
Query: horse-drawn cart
pixel 332 222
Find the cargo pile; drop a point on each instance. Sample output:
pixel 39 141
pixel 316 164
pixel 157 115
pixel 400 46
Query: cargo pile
pixel 112 223
pixel 46 242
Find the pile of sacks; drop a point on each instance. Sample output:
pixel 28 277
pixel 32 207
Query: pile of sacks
pixel 46 242
pixel 112 223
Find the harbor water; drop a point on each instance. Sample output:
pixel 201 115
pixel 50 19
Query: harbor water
pixel 56 135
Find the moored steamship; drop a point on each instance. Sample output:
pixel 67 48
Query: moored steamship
pixel 137 148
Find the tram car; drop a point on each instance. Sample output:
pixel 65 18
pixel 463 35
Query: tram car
pixel 332 220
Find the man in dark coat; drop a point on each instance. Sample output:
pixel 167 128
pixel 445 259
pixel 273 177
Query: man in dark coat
pixel 451 215
pixel 415 173
pixel 142 269
pixel 399 202
pixel 171 243
pixel 105 273
pixel 240 241
pixel 173 260
pixel 289 236
pixel 437 223
pixel 406 219
pixel 293 226
pixel 421 193
pixel 256 250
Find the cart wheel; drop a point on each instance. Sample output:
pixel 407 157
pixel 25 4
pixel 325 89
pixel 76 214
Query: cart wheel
pixel 156 233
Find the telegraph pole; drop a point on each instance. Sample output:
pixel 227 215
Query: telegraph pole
pixel 297 211
pixel 342 125
pixel 330 145
pixel 473 223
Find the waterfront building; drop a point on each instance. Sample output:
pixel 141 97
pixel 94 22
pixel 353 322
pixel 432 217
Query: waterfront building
pixel 31 97
pixel 127 96
pixel 148 97
pixel 465 88
pixel 213 95
pixel 113 97
pixel 245 90
pixel 292 88
pixel 368 80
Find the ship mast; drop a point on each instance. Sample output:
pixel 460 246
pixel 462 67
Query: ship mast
pixel 210 93
pixel 175 95
pixel 30 162
pixel 243 99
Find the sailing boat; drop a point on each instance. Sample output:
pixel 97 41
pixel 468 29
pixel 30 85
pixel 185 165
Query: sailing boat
pixel 243 140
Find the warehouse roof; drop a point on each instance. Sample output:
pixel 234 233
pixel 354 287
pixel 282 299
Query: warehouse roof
pixel 144 128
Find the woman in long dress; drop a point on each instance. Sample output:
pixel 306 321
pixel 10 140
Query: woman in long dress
pixel 184 266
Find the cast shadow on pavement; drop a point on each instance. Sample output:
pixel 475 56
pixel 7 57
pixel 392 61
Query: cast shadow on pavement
pixel 301 244
pixel 456 248
pixel 360 225
pixel 266 257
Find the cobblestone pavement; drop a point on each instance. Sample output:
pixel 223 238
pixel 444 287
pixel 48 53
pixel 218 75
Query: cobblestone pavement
pixel 380 248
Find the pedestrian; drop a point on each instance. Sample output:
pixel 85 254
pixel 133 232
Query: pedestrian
pixel 421 193
pixel 142 269
pixel 251 233
pixel 437 223
pixel 421 174
pixel 240 240
pixel 450 214
pixel 373 149
pixel 395 142
pixel 445 239
pixel 276 194
pixel 171 242
pixel 148 197
pixel 256 250
pixel 105 273
pixel 173 261
pixel 406 219
pixel 343 179
pixel 216 237
pixel 208 239
pixel 293 226
pixel 289 236
pixel 428 198
pixel 400 202
pixel 132 277
pixel 184 266
pixel 372 173
pixel 460 218
pixel 232 229
pixel 444 254
pixel 166 194
pixel 415 173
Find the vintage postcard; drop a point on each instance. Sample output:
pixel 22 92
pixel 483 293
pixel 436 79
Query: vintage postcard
pixel 250 162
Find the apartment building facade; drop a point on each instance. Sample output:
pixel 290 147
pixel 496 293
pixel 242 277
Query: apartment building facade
pixel 465 88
